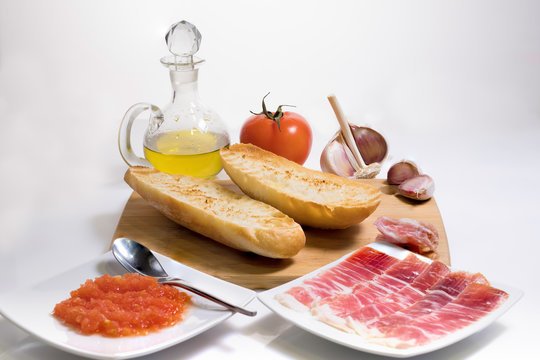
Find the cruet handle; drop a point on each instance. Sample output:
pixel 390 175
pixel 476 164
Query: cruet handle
pixel 124 135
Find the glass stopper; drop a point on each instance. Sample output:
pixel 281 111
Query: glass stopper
pixel 183 39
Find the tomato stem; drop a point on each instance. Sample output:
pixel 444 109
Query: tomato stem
pixel 276 116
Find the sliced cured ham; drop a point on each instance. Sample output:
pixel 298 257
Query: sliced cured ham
pixel 334 310
pixel 397 303
pixel 473 303
pixel 443 292
pixel 419 236
pixel 402 298
pixel 362 266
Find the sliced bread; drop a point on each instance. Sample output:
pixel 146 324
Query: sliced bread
pixel 310 197
pixel 219 213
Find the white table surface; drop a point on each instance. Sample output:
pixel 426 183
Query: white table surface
pixel 454 86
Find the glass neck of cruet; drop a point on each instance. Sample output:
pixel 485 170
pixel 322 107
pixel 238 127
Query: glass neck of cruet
pixel 185 85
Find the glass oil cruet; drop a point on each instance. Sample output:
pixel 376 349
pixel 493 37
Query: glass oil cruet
pixel 185 136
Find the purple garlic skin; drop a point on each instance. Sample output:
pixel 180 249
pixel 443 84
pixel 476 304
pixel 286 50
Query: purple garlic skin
pixel 401 171
pixel 420 187
pixel 370 143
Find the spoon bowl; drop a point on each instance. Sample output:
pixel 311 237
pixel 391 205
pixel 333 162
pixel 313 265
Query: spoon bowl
pixel 137 258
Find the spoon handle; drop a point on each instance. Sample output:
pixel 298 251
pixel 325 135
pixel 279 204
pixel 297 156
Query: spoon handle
pixel 179 283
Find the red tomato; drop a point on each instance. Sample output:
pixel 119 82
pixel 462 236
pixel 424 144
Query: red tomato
pixel 289 135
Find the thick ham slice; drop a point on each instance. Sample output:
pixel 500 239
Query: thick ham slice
pixel 418 236
pixel 362 266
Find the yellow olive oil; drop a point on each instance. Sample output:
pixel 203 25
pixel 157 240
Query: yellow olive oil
pixel 186 152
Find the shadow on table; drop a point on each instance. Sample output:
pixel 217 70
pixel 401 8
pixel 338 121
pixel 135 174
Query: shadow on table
pixel 22 346
pixel 300 344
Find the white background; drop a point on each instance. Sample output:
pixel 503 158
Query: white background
pixel 453 85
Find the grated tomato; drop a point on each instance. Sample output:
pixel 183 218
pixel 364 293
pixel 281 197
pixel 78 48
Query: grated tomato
pixel 127 305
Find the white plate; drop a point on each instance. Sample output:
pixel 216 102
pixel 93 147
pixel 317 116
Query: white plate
pixel 309 323
pixel 30 309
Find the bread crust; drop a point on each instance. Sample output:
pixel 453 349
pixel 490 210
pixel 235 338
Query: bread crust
pixel 212 210
pixel 310 197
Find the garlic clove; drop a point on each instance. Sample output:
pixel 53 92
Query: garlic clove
pixel 420 187
pixel 370 143
pixel 401 171
pixel 335 160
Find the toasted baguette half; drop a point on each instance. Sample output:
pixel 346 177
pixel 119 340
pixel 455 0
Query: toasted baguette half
pixel 310 197
pixel 219 213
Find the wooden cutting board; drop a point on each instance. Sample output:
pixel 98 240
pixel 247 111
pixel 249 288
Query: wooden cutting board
pixel 141 222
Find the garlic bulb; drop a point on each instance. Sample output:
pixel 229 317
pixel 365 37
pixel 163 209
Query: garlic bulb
pixel 363 147
pixel 337 158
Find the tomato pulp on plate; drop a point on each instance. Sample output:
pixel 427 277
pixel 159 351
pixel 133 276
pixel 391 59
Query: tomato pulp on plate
pixel 125 305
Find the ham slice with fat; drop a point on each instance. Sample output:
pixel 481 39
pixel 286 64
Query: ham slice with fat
pixel 443 292
pixel 401 299
pixel 334 310
pixel 419 236
pixel 363 265
pixel 397 303
pixel 473 303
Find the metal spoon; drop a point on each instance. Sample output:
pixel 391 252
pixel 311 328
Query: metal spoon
pixel 137 258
